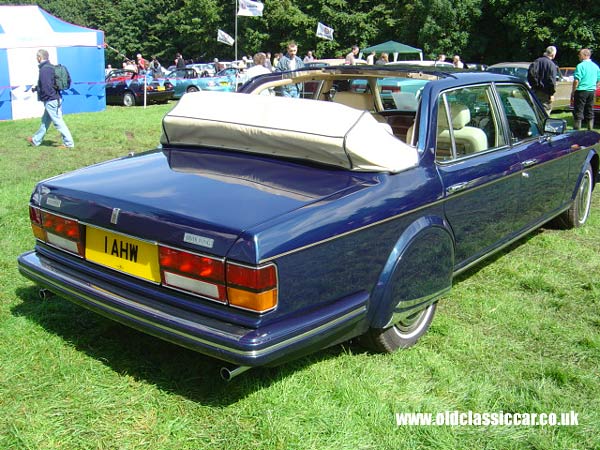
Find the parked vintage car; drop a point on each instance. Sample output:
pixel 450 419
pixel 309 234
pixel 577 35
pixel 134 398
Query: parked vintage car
pixel 562 97
pixel 265 227
pixel 567 73
pixel 125 87
pixel 190 80
pixel 184 80
pixel 204 69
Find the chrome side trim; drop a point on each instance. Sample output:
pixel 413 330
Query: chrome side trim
pixel 169 317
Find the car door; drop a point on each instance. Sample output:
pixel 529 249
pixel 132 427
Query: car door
pixel 479 171
pixel 115 85
pixel 544 157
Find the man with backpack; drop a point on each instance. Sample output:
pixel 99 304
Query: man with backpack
pixel 49 93
pixel 542 76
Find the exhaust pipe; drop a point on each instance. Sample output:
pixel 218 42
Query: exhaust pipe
pixel 45 294
pixel 228 374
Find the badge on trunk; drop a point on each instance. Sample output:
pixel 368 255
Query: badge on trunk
pixel 114 217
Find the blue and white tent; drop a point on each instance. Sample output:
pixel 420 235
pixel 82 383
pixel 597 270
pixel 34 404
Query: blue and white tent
pixel 26 29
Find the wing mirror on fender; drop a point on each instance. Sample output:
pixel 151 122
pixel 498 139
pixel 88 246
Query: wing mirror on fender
pixel 555 126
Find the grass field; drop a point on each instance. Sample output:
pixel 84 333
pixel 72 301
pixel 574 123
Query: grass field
pixel 519 333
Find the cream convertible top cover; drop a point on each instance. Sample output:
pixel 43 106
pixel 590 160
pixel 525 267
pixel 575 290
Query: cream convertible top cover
pixel 319 131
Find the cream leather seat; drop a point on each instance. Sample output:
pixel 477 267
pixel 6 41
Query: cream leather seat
pixel 467 139
pixel 358 100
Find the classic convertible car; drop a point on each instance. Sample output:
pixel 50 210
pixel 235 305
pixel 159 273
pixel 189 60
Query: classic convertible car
pixel 125 87
pixel 265 227
pixel 190 80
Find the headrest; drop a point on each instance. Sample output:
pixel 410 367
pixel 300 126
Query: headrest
pixel 358 100
pixel 460 115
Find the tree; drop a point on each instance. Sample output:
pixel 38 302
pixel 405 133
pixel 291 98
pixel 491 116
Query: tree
pixel 479 30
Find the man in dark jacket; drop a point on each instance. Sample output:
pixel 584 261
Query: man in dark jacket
pixel 542 76
pixel 50 96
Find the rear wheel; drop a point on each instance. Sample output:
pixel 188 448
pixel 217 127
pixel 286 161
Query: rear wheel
pixel 128 99
pixel 192 89
pixel 404 333
pixel 579 211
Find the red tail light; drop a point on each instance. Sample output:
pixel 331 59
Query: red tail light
pixel 56 230
pixel 253 288
pixel 251 278
pixel 250 288
pixel 193 273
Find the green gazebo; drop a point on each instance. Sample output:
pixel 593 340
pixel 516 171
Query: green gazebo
pixel 395 48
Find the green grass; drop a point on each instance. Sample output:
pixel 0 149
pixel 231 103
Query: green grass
pixel 519 333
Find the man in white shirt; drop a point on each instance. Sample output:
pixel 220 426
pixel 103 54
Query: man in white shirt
pixel 351 57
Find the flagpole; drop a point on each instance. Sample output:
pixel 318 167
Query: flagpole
pixel 235 12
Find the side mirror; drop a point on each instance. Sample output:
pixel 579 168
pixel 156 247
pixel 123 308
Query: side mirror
pixel 555 126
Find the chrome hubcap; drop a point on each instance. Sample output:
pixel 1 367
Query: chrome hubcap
pixel 412 325
pixel 585 198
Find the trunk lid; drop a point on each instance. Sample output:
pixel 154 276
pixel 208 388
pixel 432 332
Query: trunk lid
pixel 201 199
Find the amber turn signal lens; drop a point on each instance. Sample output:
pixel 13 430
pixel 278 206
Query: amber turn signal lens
pixel 259 302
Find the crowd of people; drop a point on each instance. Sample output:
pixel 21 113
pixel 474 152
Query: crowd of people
pixel 271 62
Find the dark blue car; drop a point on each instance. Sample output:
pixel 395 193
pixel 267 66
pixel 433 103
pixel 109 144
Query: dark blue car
pixel 128 88
pixel 265 228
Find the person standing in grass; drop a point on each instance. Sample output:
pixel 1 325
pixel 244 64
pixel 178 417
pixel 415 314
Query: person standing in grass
pixel 48 93
pixel 541 76
pixel 585 80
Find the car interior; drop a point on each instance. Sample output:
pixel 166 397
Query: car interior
pixel 468 119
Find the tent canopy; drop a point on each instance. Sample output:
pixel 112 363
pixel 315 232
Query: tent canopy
pixel 24 30
pixel 395 48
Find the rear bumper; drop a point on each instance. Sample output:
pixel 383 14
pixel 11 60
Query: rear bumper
pixel 266 345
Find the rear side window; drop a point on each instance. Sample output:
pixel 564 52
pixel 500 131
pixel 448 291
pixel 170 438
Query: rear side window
pixel 524 118
pixel 467 123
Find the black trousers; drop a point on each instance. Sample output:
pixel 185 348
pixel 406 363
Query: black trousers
pixel 583 105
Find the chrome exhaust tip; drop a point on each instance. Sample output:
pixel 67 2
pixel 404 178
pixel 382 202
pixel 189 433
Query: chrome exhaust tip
pixel 45 294
pixel 228 374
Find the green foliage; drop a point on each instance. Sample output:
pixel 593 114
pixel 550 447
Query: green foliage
pixel 480 30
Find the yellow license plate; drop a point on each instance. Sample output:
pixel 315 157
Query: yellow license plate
pixel 160 88
pixel 122 253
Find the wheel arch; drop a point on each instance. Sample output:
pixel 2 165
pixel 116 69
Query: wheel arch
pixel 594 161
pixel 418 270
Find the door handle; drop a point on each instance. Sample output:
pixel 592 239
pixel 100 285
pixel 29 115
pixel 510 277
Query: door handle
pixel 457 187
pixel 529 162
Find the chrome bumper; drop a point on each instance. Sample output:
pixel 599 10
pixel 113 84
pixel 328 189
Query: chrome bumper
pixel 267 345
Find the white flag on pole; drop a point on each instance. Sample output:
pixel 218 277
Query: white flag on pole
pixel 324 32
pixel 250 8
pixel 224 38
